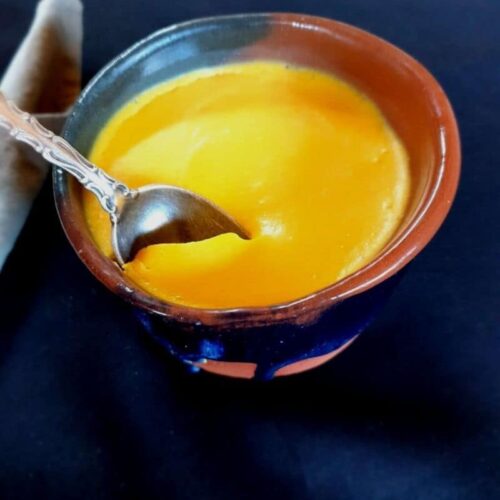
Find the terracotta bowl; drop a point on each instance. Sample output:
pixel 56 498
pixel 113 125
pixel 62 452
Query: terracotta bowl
pixel 285 338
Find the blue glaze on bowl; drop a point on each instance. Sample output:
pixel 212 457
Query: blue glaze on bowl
pixel 271 347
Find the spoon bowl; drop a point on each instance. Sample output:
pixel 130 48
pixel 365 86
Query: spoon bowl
pixel 166 214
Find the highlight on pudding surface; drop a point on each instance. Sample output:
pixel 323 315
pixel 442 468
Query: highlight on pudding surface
pixel 302 160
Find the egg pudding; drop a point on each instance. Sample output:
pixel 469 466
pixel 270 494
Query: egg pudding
pixel 301 159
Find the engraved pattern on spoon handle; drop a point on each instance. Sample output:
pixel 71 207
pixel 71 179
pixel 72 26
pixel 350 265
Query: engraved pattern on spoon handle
pixel 26 128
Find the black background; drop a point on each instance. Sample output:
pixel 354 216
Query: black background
pixel 90 408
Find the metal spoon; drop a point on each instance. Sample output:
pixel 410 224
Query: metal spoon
pixel 139 217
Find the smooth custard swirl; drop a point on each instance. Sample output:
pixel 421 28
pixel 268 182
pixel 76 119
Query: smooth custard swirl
pixel 302 160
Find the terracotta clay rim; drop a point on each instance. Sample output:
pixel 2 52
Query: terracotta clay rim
pixel 433 208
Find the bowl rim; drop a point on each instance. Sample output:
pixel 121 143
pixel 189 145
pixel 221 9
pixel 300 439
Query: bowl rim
pixel 428 217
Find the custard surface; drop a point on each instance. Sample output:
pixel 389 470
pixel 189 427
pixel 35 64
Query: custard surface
pixel 302 160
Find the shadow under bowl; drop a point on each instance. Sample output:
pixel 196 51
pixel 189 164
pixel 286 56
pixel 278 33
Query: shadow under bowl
pixel 264 342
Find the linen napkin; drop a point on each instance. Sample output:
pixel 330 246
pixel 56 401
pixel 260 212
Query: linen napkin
pixel 42 78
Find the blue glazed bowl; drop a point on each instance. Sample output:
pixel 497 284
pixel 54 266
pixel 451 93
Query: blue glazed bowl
pixel 284 338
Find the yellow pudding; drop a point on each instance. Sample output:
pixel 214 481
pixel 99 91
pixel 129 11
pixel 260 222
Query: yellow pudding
pixel 305 162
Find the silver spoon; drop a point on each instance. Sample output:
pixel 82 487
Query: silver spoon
pixel 139 217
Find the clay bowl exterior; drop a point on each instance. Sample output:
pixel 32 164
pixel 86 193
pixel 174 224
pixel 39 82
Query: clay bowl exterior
pixel 287 338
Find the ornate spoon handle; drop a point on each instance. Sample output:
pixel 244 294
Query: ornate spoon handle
pixel 26 128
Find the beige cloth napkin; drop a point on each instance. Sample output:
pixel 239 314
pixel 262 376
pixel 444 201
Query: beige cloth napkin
pixel 42 78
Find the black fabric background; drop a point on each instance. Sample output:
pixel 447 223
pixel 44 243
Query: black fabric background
pixel 90 408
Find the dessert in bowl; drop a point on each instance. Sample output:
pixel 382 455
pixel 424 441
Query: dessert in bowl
pixel 337 151
pixel 304 162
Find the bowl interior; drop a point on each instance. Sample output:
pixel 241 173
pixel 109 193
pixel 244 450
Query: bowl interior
pixel 409 97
